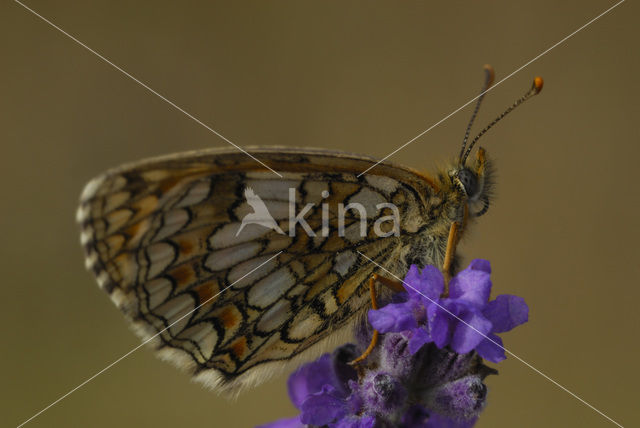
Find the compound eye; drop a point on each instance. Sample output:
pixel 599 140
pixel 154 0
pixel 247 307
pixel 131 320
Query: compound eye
pixel 469 181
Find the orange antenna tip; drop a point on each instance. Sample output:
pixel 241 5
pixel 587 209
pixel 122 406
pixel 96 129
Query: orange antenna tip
pixel 538 83
pixel 535 89
pixel 491 74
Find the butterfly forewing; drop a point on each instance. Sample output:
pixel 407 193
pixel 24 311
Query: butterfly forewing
pixel 230 301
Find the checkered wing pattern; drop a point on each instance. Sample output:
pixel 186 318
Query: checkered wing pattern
pixel 163 239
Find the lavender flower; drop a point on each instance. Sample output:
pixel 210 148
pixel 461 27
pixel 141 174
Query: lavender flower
pixel 427 370
pixel 446 321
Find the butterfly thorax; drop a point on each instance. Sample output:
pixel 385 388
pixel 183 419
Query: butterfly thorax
pixel 462 193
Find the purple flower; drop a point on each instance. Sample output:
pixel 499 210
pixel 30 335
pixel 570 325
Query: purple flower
pixel 321 391
pixel 426 370
pixel 465 320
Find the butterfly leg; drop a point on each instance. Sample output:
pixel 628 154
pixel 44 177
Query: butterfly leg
pixel 452 242
pixel 393 285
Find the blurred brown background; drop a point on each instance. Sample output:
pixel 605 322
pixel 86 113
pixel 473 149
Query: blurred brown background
pixel 359 76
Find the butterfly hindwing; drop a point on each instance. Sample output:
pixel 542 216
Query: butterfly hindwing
pixel 226 297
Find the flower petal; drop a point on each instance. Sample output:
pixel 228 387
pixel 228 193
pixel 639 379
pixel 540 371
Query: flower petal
pixel 506 312
pixel 470 332
pixel 490 351
pixel 309 379
pixel 440 321
pixel 480 264
pixel 419 338
pixel 427 284
pixel 394 317
pixel 323 407
pixel 472 286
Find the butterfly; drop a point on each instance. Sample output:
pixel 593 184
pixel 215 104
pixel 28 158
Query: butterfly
pixel 233 273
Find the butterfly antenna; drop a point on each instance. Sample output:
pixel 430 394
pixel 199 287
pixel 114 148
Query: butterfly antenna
pixel 536 87
pixel 488 80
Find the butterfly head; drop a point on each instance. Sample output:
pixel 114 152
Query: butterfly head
pixel 474 183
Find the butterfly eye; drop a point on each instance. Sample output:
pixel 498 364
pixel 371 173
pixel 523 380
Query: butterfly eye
pixel 469 181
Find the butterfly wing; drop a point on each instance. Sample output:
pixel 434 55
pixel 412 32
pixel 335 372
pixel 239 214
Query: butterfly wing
pixel 164 241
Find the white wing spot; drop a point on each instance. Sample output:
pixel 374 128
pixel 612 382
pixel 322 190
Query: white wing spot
pixel 386 184
pixel 242 269
pixel 304 325
pixel 204 335
pixel 103 279
pixel 85 236
pixel 271 288
pixel 344 261
pixel 160 256
pixel 90 260
pixel 158 290
pixel 275 316
pixel 82 213
pixel 368 199
pixel 330 304
pixel 92 186
pixel 173 221
pixel 272 189
pixel 224 259
pixel 175 309
pixel 196 194
pixel 226 236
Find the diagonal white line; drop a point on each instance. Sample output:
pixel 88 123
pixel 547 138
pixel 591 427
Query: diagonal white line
pixel 145 342
pixel 495 343
pixel 491 88
pixel 177 107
